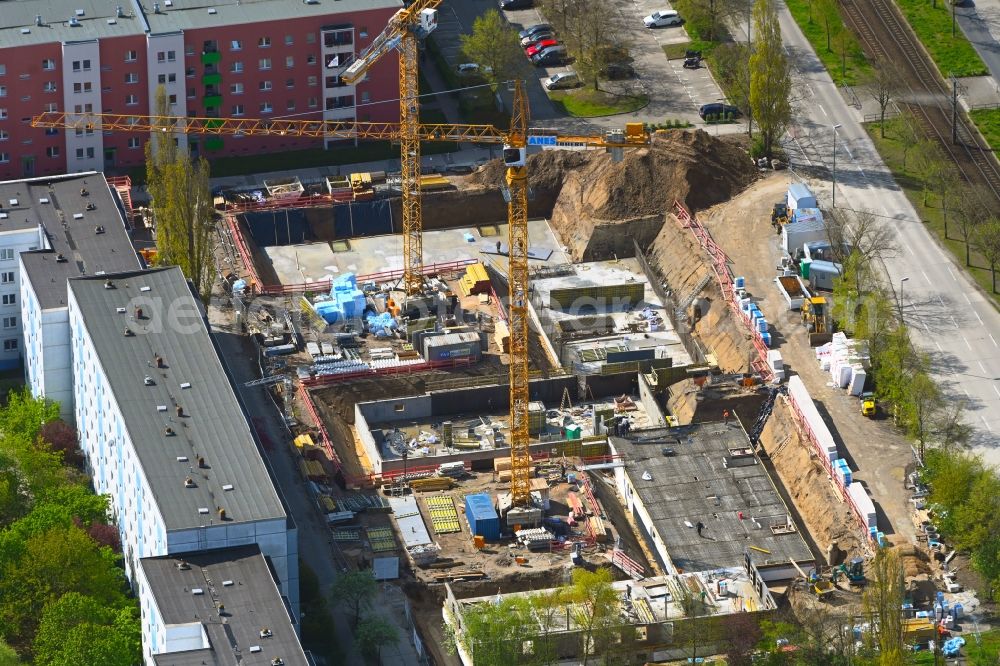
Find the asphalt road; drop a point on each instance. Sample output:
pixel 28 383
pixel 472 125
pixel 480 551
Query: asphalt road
pixel 980 21
pixel 950 318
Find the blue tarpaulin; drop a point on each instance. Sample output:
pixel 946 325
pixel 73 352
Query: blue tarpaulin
pixel 346 300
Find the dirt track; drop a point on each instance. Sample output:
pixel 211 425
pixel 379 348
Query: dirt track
pixel 875 449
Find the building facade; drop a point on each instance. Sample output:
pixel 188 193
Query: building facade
pixel 220 58
pixel 163 432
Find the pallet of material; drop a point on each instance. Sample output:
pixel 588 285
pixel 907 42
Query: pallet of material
pixel 474 281
pixel 501 335
pixel 598 529
pixel 501 464
pixel 304 441
pixel 381 539
pixel 432 181
pixel 444 517
pixel 312 469
pixel 431 484
pixel 504 475
pixel 327 504
pixel 458 575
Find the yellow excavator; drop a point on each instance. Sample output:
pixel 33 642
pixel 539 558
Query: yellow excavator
pixel 816 319
pixel 868 404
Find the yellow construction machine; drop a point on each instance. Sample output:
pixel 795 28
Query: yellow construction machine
pixel 816 318
pixel 868 404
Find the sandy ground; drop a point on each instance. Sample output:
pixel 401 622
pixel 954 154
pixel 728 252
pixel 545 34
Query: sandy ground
pixel 876 451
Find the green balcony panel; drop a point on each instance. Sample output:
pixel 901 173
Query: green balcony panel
pixel 213 143
pixel 213 100
pixel 212 79
pixel 211 58
pixel 213 123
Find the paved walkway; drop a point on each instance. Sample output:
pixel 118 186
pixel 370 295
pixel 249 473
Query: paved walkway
pixel 980 21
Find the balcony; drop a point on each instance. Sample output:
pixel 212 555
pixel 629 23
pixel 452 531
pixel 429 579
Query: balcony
pixel 210 57
pixel 212 100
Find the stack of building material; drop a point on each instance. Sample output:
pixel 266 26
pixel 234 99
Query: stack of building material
pixel 624 404
pixel 475 280
pixel 598 529
pixel 575 506
pixel 776 363
pixel 346 301
pixel 381 539
pixel 433 181
pixel 843 472
pixel 537 538
pixel 863 505
pixel 431 484
pixel 327 504
pixel 312 470
pixel 536 417
pixel 444 518
pixel 501 335
pixel 807 410
pixel 847 360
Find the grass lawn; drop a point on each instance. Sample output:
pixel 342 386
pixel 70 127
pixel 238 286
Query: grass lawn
pixel 590 103
pixel 932 215
pixel 988 122
pixel 857 66
pixel 982 654
pixel 953 55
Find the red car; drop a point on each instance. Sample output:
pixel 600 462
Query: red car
pixel 532 50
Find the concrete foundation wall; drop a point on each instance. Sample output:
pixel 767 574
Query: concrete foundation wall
pixel 397 409
pixel 367 439
pixel 650 403
pixel 470 208
pixel 616 240
pixel 614 385
pixel 482 461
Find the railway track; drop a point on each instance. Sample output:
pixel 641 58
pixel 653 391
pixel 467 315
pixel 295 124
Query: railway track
pixel 886 37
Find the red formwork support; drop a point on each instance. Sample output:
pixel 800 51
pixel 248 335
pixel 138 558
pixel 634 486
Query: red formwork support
pixel 724 277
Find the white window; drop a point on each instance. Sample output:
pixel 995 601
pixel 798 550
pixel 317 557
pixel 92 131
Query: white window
pixel 290 105
pixel 264 85
pixel 236 45
pixel 7 254
pixel 236 67
pixel 52 151
pixel 10 345
pixel 4 158
pixel 3 91
pixel 131 56
pixel 289 83
pixel 172 99
pixel 3 70
pixel 265 107
pixel 171 56
pixel 48 64
pixel 311 38
pixel 80 153
pixel 237 109
pixel 289 62
pixel 50 86
pixel 166 78
pixel 313 102
pixel 133 142
pixel 365 97
pixel 4 135
pixel 131 77
pixel 76 65
pixel 264 63
pixel 52 107
pixel 131 100
pixel 3 114
pixel 7 277
pixel 84 87
pixel 310 59
pixel 161 56
pixel 10 322
pixel 264 42
pixel 10 299
pixel 236 88
pixel 313 80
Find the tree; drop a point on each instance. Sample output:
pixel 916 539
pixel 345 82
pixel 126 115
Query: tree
pixel 182 205
pixel 974 208
pixel 881 85
pixel 741 634
pixel 77 629
pixel 882 602
pixel 732 62
pixel 908 133
pixel 950 427
pixel 374 633
pixel 25 414
pixel 930 164
pixel 987 239
pixel 596 611
pixel 8 657
pixel 356 589
pixel 61 436
pixel 495 632
pixel 591 38
pixel 770 78
pixel 494 47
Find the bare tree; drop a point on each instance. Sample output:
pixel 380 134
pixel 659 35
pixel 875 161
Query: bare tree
pixel 950 428
pixel 974 209
pixel 909 134
pixel 881 85
pixel 987 239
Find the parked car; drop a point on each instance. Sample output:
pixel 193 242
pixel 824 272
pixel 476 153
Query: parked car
pixel 532 29
pixel 531 40
pixel 550 57
pixel 718 110
pixel 618 70
pixel 515 4
pixel 561 81
pixel 662 19
pixel 470 68
pixel 540 46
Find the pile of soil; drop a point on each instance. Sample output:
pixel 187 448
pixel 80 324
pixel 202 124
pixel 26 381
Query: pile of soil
pixel 546 170
pixel 827 518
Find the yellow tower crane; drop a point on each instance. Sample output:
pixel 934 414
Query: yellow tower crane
pixel 405 28
pixel 515 142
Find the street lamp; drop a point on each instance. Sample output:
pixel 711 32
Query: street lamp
pixel 834 196
pixel 901 281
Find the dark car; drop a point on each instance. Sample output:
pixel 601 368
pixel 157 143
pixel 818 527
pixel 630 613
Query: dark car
pixel 533 29
pixel 618 70
pixel 550 57
pixel 515 4
pixel 718 110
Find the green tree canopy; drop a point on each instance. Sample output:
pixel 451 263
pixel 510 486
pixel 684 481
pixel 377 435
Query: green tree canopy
pixel 770 77
pixel 375 633
pixel 356 589
pixel 495 47
pixel 76 629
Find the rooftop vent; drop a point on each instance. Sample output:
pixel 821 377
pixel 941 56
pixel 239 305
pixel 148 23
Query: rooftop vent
pixel 127 332
pixel 121 310
pixel 80 12
pixel 186 385
pixel 203 510
pixel 25 31
pixel 3 216
pixel 73 23
pixel 201 461
pixel 254 649
pixel 311 2
pixel 158 360
pixel 119 12
pixel 277 662
pixel 227 486
pixel 168 431
pixel 109 284
pixel 60 258
pixel 139 314
pixel 212 10
pixel 161 408
pixel 156 8
pixel 90 204
pixel 38 20
pixel 265 633
pixel 182 458
pixel 98 229
pixel 144 288
pixel 183 566
pixel 77 216
pixel 170 3
pixel 189 482
pixel 197 591
pixel 180 411
pixel 84 192
pixel 43 200
pixel 222 513
pixel 148 381
pixel 227 583
pixel 13 202
pixel 112 21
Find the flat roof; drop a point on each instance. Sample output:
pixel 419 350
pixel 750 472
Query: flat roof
pixel 238 581
pixel 100 20
pixel 213 425
pixel 702 482
pixel 72 231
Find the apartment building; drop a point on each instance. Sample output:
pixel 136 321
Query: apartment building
pixel 164 433
pixel 215 58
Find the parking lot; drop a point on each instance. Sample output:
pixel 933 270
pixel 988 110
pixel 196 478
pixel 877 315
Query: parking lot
pixel 674 92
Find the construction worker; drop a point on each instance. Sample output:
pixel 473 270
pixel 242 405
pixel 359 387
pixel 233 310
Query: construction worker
pixel 725 416
pixel 700 527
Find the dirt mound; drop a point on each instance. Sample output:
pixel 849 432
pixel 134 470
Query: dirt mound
pixel 827 518
pixel 546 170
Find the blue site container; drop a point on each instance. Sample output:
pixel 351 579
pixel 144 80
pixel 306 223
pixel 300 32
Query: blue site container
pixel 482 517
